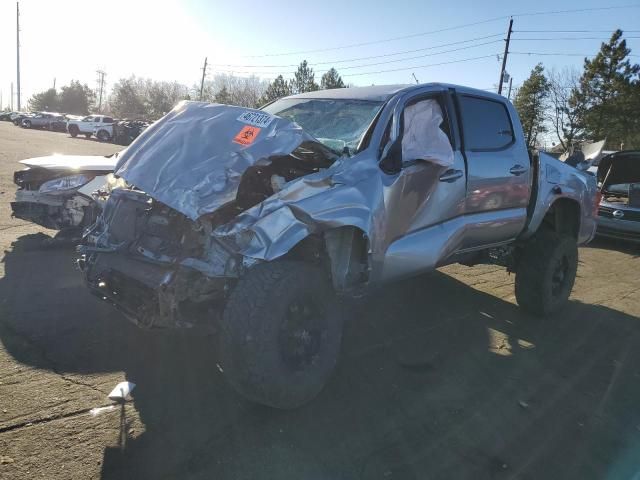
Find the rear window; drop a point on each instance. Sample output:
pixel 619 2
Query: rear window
pixel 107 120
pixel 485 124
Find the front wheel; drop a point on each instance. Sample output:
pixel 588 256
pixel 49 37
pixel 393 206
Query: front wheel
pixel 26 124
pixel 281 333
pixel 546 271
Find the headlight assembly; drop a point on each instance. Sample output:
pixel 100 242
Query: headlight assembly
pixel 64 183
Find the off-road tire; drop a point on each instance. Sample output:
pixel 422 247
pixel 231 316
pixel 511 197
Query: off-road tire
pixel 546 271
pixel 73 131
pixel 26 124
pixel 254 357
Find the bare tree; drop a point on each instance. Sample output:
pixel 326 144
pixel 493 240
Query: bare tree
pixel 564 107
pixel 234 90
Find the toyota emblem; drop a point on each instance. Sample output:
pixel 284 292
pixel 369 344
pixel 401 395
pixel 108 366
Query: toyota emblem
pixel 618 213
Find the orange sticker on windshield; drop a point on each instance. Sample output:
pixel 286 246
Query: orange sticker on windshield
pixel 247 135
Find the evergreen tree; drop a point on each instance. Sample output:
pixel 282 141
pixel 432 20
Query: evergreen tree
pixel 44 101
pixel 531 103
pixel 609 94
pixel 277 89
pixel 223 96
pixel 76 98
pixel 304 79
pixel 331 79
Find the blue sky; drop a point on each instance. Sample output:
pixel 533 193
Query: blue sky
pixel 172 38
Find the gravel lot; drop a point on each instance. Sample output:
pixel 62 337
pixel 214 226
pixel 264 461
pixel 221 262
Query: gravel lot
pixel 440 377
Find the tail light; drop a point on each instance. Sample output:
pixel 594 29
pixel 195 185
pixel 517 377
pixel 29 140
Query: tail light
pixel 596 203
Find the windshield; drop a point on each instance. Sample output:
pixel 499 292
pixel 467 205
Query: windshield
pixel 335 123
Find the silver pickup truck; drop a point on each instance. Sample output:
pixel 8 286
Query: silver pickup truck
pixel 260 220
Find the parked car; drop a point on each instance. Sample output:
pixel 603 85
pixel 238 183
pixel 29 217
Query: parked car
pixel 619 211
pixel 88 125
pixel 5 116
pixel 56 191
pixel 268 217
pixel 17 117
pixel 126 131
pixel 43 120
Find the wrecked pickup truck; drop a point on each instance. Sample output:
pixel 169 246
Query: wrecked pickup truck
pixel 270 216
pixel 57 191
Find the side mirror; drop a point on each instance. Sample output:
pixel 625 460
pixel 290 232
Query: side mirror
pixel 391 161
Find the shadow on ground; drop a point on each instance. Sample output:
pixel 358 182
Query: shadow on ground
pixel 436 380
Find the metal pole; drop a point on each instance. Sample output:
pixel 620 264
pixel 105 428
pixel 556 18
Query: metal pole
pixel 18 49
pixel 510 83
pixel 204 72
pixel 504 58
pixel 12 96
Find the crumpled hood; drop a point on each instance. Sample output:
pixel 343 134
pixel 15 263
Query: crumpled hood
pixel 193 158
pixel 620 167
pixel 94 163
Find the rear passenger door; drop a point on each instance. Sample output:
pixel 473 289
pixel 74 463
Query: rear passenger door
pixel 498 172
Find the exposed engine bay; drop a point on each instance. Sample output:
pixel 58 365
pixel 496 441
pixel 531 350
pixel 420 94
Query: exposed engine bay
pixel 163 269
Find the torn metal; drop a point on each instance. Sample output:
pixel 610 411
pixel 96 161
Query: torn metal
pixel 57 191
pixel 215 189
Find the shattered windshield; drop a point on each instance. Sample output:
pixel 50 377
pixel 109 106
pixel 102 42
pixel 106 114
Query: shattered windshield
pixel 335 123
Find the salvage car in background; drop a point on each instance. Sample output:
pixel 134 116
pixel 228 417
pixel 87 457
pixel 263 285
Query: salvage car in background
pixel 619 211
pixel 88 125
pixel 268 216
pixel 47 120
pixel 56 191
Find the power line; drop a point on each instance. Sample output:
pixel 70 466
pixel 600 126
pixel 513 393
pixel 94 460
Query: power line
pixel 561 54
pixel 456 27
pixel 347 60
pixel 421 66
pixel 568 38
pixel 374 42
pixel 574 31
pixel 386 62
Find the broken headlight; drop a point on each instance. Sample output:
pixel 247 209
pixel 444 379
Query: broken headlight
pixel 64 183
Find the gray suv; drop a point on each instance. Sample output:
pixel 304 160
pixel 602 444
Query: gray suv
pixel 259 221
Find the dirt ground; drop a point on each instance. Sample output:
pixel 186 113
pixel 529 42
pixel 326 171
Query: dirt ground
pixel 440 377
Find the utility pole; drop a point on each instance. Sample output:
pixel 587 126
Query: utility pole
pixel 18 49
pixel 510 83
pixel 204 72
pixel 54 83
pixel 415 78
pixel 101 74
pixel 504 57
pixel 12 96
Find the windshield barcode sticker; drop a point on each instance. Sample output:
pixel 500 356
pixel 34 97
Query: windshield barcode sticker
pixel 256 119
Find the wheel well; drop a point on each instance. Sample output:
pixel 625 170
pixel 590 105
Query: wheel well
pixel 344 251
pixel 563 217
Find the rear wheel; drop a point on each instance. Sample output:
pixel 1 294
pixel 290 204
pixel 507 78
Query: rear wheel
pixel 281 333
pixel 546 271
pixel 73 131
pixel 103 136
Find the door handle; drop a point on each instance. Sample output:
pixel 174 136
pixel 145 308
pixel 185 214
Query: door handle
pixel 518 170
pixel 451 175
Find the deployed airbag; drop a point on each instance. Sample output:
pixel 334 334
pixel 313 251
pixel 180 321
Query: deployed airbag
pixel 422 138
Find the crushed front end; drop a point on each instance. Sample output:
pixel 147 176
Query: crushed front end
pixel 157 266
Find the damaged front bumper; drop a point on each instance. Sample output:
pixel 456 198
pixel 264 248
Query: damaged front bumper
pixel 54 211
pixel 155 265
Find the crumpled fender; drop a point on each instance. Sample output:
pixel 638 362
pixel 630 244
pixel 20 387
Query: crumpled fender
pixel 336 197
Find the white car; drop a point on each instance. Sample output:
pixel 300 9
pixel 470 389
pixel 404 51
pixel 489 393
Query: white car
pixel 88 125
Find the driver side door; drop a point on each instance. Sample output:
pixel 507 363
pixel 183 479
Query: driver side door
pixel 424 201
